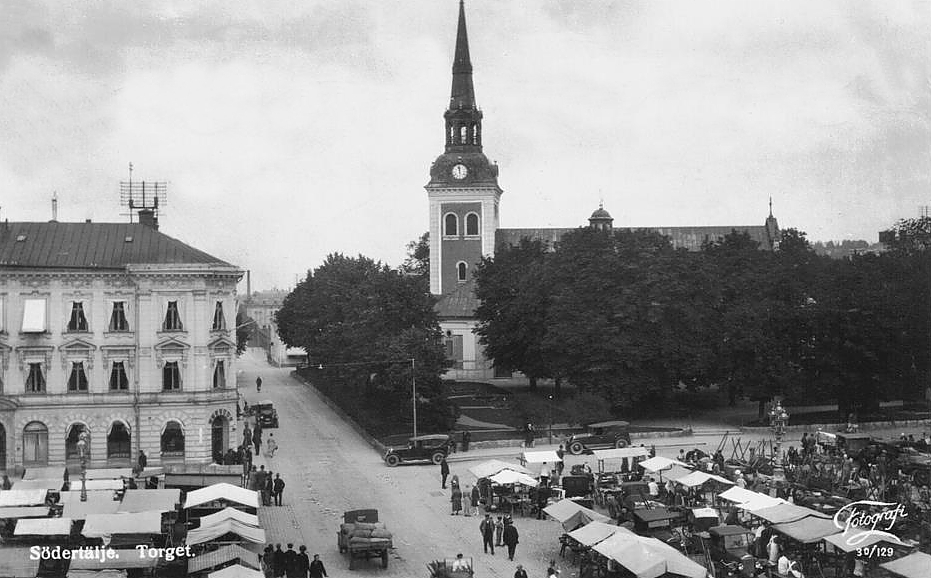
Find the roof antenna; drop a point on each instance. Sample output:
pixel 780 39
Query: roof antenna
pixel 54 206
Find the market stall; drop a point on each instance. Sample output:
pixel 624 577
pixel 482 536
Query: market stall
pixel 222 556
pixel 807 530
pixel 915 565
pixel 150 501
pixel 783 513
pixel 236 571
pixel 46 472
pixel 572 515
pixel 229 514
pixel 97 503
pixel 131 529
pixel 227 531
pixel 619 460
pixel 46 527
pixel 507 491
pixel 19 498
pixel 109 474
pixel 52 484
pixel 219 496
pixel 647 557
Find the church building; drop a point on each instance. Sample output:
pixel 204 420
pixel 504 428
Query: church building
pixel 464 198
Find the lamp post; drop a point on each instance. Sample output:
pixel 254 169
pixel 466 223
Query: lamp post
pixel 414 395
pixel 82 450
pixel 550 419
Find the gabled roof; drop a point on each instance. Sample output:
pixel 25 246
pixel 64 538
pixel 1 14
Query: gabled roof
pixel 93 246
pixel 459 303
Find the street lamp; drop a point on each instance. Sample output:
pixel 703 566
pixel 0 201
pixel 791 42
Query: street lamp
pixel 550 419
pixel 82 450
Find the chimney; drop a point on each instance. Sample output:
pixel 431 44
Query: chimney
pixel 148 218
pixel 54 208
pixel 248 284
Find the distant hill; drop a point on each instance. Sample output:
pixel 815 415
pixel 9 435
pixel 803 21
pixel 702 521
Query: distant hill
pixel 842 249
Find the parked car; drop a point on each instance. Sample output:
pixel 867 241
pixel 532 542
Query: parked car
pixel 429 448
pixel 601 435
pixel 265 413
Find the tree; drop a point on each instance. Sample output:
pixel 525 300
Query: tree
pixel 363 321
pixel 417 262
pixel 514 295
pixel 909 236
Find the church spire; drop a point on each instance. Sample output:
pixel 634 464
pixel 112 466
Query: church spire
pixel 462 95
pixel 463 118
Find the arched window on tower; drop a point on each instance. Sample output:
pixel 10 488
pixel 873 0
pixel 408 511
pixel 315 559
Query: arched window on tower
pixel 464 135
pixel 451 136
pixel 461 269
pixel 471 224
pixel 451 225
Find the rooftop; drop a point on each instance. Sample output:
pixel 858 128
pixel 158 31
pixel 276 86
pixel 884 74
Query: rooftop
pixel 55 245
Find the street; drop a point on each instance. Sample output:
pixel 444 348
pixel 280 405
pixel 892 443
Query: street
pixel 329 468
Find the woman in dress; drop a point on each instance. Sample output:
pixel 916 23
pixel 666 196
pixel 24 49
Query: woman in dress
pixel 271 446
pixel 456 500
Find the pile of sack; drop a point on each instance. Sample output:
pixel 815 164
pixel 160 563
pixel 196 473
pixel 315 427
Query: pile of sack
pixel 374 533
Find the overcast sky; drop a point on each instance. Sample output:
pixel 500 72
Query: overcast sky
pixel 289 130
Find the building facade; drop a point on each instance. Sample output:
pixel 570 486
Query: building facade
pixel 261 307
pixel 119 331
pixel 464 199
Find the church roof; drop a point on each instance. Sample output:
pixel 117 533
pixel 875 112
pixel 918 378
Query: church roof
pixel 600 213
pixel 93 246
pixel 459 303
pixel 690 238
pixel 462 94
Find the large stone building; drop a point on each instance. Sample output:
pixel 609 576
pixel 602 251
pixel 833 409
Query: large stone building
pixel 117 330
pixel 464 199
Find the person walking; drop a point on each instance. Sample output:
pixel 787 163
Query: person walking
pixel 292 563
pixel 560 465
pixel 278 488
pixel 466 438
pixel 303 562
pixel 316 568
pixel 499 531
pixel 247 436
pixel 444 472
pixel 267 561
pixel 520 572
pixel 143 461
pixel 278 560
pixel 476 498
pixel 467 498
pixel 269 489
pixel 271 446
pixel 258 384
pixel 487 529
pixel 456 500
pixel 510 538
pixel 257 438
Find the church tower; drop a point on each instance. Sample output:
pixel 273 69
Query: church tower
pixel 463 190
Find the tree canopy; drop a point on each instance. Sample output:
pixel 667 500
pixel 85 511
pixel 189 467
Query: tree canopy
pixel 623 315
pixel 362 322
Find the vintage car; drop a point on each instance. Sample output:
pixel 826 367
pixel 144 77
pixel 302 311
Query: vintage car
pixel 265 413
pixel 427 448
pixel 601 435
pixel 730 543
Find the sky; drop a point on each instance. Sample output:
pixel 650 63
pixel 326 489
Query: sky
pixel 289 130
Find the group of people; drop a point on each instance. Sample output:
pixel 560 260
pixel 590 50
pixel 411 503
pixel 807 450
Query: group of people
pixel 278 563
pixel 269 486
pixel 499 533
